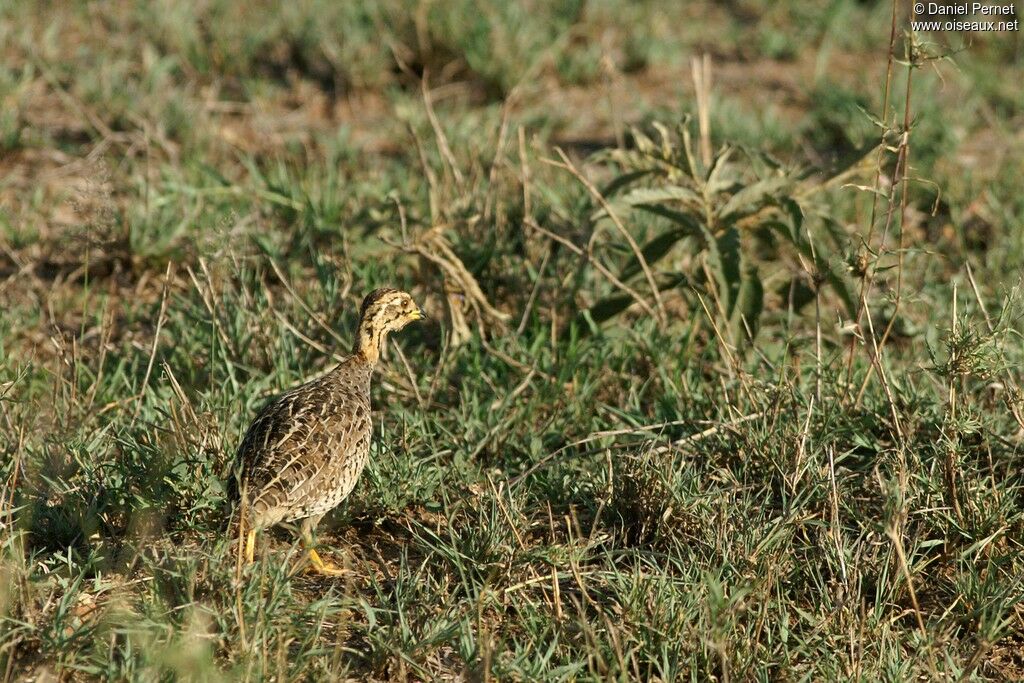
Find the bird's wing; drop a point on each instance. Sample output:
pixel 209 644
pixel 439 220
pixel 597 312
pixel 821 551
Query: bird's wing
pixel 292 441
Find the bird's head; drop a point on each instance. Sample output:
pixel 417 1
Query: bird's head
pixel 384 310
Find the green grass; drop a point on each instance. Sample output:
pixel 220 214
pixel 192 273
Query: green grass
pixel 727 484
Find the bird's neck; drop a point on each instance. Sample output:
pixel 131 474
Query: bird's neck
pixel 369 341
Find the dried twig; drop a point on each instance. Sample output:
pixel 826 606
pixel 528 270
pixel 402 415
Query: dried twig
pixel 168 274
pixel 710 431
pixel 442 139
pixel 882 147
pixel 600 269
pixel 798 460
pixel 547 459
pixel 700 69
pixel 566 164
pixel 309 311
pixel 1011 383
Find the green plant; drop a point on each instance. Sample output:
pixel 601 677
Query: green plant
pixel 720 211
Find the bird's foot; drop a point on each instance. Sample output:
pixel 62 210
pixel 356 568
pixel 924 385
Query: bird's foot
pixel 327 568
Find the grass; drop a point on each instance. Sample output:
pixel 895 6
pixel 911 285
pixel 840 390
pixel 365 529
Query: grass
pixel 655 445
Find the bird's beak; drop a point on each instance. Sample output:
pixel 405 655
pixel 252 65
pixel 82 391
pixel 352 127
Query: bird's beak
pixel 419 315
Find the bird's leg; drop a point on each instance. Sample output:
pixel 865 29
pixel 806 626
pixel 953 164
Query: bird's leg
pixel 246 520
pixel 250 545
pixel 316 562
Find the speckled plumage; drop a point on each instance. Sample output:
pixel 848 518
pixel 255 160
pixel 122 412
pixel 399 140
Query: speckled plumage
pixel 304 452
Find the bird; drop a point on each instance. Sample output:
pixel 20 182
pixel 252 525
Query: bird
pixel 304 451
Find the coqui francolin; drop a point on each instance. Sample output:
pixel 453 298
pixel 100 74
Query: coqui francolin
pixel 304 452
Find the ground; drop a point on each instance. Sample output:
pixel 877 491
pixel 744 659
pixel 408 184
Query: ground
pixel 722 379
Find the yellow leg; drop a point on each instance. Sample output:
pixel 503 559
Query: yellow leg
pixel 250 545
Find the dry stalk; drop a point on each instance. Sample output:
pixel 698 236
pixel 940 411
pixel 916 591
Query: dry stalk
pixel 700 68
pixel 868 277
pixel 567 165
pixel 168 274
pixel 461 288
pixel 619 284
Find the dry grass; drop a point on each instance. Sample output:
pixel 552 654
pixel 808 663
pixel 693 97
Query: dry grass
pixel 643 439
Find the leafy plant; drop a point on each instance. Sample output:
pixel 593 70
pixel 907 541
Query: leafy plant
pixel 721 210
